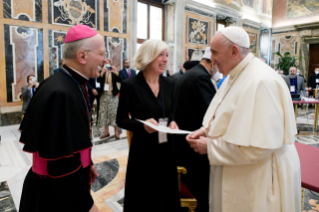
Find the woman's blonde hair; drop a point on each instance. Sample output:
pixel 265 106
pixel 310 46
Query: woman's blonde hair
pixel 149 50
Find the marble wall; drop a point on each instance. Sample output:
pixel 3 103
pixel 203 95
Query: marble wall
pixel 32 34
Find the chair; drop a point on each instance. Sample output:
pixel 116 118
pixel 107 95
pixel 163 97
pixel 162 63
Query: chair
pixel 187 198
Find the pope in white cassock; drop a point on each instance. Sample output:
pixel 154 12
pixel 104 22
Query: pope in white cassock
pixel 248 133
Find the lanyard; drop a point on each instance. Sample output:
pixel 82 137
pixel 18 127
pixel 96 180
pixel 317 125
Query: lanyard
pixel 162 103
pixel 83 93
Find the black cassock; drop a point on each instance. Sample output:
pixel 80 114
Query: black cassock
pixel 56 125
pixel 151 178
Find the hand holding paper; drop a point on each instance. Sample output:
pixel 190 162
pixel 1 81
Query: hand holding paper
pixel 164 129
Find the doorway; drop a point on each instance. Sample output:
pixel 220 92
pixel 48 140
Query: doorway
pixel 313 58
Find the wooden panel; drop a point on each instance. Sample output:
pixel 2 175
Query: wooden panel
pixel 313 58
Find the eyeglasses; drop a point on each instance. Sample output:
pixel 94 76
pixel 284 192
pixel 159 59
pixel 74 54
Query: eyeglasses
pixel 100 53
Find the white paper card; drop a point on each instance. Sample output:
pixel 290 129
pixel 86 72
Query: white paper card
pixel 162 136
pixel 106 87
pixel 317 80
pixel 97 85
pixel 165 129
pixel 292 88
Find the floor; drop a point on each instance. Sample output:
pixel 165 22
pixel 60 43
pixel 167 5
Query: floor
pixel 110 157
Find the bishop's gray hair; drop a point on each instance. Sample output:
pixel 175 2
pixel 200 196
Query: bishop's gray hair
pixel 226 42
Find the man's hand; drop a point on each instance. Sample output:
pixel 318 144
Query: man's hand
pixel 31 83
pixel 93 174
pixel 173 125
pixel 149 129
pixel 199 145
pixel 94 208
pixel 196 134
pixel 94 91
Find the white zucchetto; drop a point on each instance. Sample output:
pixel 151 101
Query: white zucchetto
pixel 237 35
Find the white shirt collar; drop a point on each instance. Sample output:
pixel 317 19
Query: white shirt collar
pixel 79 73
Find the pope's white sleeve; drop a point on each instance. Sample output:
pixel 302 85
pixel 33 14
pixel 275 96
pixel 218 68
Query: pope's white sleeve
pixel 223 153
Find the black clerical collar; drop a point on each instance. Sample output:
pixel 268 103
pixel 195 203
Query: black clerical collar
pixel 75 75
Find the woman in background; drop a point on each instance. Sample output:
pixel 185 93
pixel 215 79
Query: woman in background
pixel 109 76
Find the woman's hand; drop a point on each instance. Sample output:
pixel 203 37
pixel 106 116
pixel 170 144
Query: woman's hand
pixel 103 71
pixel 173 125
pixel 149 129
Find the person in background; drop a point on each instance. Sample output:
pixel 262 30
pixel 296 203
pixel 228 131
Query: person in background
pixel 27 92
pixel 127 72
pixel 281 72
pixel 149 97
pixel 108 78
pixel 94 89
pixel 298 74
pixel 194 91
pixel 294 82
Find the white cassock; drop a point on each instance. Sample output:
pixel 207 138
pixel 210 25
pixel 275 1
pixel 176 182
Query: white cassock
pixel 250 125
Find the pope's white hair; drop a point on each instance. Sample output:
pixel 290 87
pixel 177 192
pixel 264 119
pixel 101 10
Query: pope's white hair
pixel 70 49
pixel 227 43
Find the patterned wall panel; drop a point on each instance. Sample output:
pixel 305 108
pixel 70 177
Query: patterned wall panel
pixel 197 31
pixel 115 16
pixel 24 56
pixel 116 49
pixel 56 42
pixel 288 44
pixel 71 12
pixel 273 51
pixel 26 10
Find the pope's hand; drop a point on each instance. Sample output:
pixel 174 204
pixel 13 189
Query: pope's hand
pixel 196 134
pixel 149 129
pixel 173 125
pixel 93 174
pixel 199 145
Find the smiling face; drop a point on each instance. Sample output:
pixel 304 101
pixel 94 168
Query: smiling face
pixel 221 54
pixel 96 57
pixel 158 65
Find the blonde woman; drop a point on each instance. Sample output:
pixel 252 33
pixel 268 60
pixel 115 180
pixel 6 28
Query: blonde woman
pixel 109 76
pixel 151 180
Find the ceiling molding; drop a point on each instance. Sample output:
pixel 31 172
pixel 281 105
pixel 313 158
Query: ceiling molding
pixel 307 26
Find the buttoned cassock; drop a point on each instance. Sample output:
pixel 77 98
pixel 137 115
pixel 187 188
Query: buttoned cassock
pixel 250 127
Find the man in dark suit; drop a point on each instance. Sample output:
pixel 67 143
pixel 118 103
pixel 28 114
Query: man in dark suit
pixel 183 68
pixel 194 92
pixel 127 72
pixel 28 91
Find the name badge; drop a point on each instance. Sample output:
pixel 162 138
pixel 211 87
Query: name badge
pixel 106 87
pixel 97 85
pixel 162 137
pixel 317 80
pixel 292 88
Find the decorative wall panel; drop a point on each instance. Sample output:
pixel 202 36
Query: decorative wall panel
pixel 71 12
pixel 24 56
pixel 288 44
pixel 253 42
pixel 116 49
pixel 56 42
pixel 197 31
pixel 273 51
pixel 115 16
pixel 26 10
